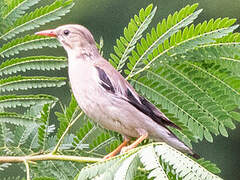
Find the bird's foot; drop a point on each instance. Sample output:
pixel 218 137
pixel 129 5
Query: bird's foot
pixel 134 144
pixel 125 149
pixel 108 156
pixel 116 151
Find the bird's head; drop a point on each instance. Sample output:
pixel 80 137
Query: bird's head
pixel 76 39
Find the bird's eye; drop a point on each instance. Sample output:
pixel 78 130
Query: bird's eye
pixel 66 32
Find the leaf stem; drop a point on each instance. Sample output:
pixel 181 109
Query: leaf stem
pixel 65 132
pixel 46 157
pixel 27 168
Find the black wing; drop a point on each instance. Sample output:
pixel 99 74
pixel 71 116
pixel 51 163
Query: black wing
pixel 149 109
pixel 105 81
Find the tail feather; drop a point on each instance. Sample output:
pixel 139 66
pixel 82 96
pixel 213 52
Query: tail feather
pixel 195 155
pixel 166 135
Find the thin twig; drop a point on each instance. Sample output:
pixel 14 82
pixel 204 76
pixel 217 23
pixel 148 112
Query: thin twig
pixel 47 157
pixel 65 132
pixel 61 105
pixel 27 168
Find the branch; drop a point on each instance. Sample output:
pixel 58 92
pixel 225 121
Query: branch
pixel 27 169
pixel 46 157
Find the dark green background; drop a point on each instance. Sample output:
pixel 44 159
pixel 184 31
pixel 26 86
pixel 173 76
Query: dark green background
pixel 107 18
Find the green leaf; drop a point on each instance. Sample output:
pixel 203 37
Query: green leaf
pixel 3 24
pixel 101 141
pixel 128 168
pixel 38 17
pixel 13 178
pixel 209 166
pixel 4 165
pixel 175 104
pixel 43 128
pixel 223 130
pixel 67 116
pixel 23 137
pixel 97 169
pixel 164 32
pixel 26 82
pixel 44 178
pixel 151 163
pixel 32 63
pixel 184 22
pixel 17 119
pixel 27 43
pixel 132 34
pixel 205 38
pixel 208 136
pixel 160 161
pixel 10 101
pixel 235 115
pixel 83 133
pixel 184 166
pixel 16 9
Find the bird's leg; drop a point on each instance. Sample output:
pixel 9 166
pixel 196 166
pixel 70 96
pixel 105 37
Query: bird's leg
pixel 135 143
pixel 117 150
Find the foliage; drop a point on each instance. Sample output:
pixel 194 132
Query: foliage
pixel 152 157
pixel 190 72
pixel 15 22
pixel 24 114
pixel 132 34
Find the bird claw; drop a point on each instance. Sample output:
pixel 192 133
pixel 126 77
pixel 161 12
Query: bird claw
pixel 107 157
pixel 125 149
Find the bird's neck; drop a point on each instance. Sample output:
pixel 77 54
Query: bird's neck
pixel 83 53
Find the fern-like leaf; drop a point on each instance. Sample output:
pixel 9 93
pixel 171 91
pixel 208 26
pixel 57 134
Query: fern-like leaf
pixel 4 166
pixel 66 117
pixel 11 101
pixel 132 34
pixel 83 133
pixel 17 119
pixel 38 17
pixel 146 87
pixel 151 163
pixel 16 9
pixel 22 135
pixel 56 169
pixel 153 157
pixel 191 38
pixel 32 63
pixel 43 128
pixel 26 82
pixel 200 103
pixel 103 169
pixel 3 24
pixel 26 43
pixel 12 178
pixel 127 170
pixel 6 134
pixel 101 142
pixel 184 166
pixel 164 30
pixel 187 85
pixel 209 166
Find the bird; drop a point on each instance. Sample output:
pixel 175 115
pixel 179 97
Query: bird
pixel 107 97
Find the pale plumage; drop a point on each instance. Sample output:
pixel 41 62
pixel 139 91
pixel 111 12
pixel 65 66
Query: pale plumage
pixel 106 97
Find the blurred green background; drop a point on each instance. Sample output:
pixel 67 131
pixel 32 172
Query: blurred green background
pixel 107 18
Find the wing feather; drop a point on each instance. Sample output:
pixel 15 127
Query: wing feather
pixel 105 81
pixel 114 82
pixel 150 110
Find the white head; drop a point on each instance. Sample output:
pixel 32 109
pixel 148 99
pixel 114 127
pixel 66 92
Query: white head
pixel 76 40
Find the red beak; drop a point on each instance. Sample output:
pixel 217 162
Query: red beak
pixel 50 33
